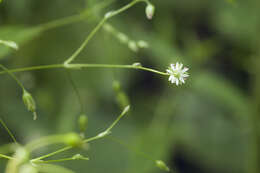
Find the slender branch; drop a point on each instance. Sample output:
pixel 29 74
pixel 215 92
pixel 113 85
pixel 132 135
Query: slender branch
pixel 78 66
pixel 59 160
pixel 101 135
pixel 74 18
pixel 12 76
pixel 8 131
pixel 6 157
pixel 97 28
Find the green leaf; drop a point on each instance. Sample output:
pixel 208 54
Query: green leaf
pixel 17 34
pixel 50 168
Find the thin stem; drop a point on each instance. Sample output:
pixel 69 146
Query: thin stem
pixel 12 76
pixel 97 28
pixel 82 46
pixel 130 148
pixel 117 66
pixel 59 160
pixel 75 18
pixel 6 157
pixel 8 131
pixel 76 91
pixel 126 109
pixel 101 135
pixel 78 66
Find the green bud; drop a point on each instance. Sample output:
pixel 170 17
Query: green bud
pixel 122 99
pixel 122 37
pixel 29 103
pixel 73 139
pixel 160 164
pixel 116 86
pixel 83 123
pixel 10 44
pixel 142 44
pixel 133 46
pixel 149 10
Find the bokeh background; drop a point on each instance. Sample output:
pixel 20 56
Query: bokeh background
pixel 210 124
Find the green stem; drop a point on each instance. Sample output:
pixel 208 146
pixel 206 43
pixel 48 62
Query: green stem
pixel 59 160
pixel 86 140
pixel 8 131
pixel 74 18
pixel 6 157
pixel 97 28
pixel 12 76
pixel 78 66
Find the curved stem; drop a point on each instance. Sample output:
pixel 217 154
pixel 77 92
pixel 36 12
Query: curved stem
pixel 97 28
pixel 8 131
pixel 12 76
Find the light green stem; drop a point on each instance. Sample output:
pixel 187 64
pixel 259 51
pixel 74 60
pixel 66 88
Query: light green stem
pixel 12 76
pixel 8 131
pixel 6 157
pixel 78 66
pixel 59 160
pixel 86 140
pixel 97 28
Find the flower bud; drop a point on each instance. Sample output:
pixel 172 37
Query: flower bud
pixel 73 139
pixel 160 164
pixel 142 44
pixel 83 122
pixel 149 10
pixel 133 46
pixel 29 103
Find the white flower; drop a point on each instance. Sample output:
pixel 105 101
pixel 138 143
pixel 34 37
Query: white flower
pixel 177 74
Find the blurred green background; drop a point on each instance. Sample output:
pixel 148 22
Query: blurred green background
pixel 210 124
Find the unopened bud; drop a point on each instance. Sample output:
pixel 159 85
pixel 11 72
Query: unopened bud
pixel 29 103
pixel 73 139
pixel 149 10
pixel 10 44
pixel 142 44
pixel 133 46
pixel 160 164
pixel 122 37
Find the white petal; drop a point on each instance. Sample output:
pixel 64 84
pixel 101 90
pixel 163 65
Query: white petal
pixel 182 80
pixel 181 65
pixel 177 82
pixel 169 71
pixel 170 78
pixel 173 66
pixel 185 69
pixel 185 75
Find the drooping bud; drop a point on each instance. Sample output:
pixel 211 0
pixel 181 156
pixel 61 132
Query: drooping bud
pixel 83 123
pixel 160 164
pixel 149 10
pixel 10 44
pixel 29 103
pixel 73 139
